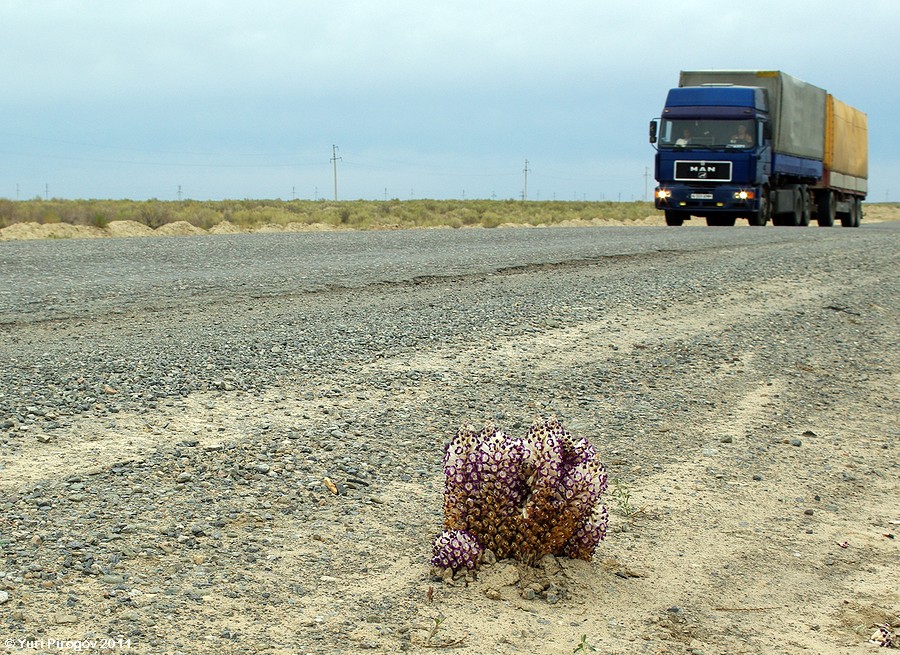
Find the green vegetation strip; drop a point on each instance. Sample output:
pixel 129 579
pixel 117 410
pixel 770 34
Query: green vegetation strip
pixel 356 214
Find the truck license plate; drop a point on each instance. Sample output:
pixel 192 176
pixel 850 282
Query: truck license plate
pixel 701 196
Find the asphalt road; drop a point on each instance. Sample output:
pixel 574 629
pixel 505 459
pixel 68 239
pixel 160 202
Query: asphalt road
pixel 51 279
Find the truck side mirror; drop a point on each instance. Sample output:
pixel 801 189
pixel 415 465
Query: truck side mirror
pixel 654 125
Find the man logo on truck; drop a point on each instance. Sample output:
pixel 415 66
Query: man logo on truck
pixel 703 169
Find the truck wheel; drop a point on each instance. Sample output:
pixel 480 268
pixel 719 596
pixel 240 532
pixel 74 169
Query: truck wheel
pixel 793 216
pixel 763 214
pixel 852 217
pixel 803 214
pixel 674 218
pixel 827 213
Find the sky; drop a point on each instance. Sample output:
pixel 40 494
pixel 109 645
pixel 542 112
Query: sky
pixel 206 100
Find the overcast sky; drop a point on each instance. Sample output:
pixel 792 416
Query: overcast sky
pixel 241 99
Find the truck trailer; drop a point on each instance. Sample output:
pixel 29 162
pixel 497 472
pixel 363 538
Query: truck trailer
pixel 759 145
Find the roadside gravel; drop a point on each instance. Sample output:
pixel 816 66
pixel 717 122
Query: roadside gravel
pixel 170 408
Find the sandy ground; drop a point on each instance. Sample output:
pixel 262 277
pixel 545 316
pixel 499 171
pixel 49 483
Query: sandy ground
pixel 873 214
pixel 774 532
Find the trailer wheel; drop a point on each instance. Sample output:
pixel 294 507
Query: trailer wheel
pixel 856 211
pixel 804 214
pixel 854 216
pixel 827 210
pixel 674 218
pixel 794 215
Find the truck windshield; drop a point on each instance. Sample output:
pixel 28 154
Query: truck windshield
pixel 707 134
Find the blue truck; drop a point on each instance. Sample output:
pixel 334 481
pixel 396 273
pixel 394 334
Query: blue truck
pixel 758 145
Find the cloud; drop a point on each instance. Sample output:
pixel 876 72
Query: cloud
pixel 190 82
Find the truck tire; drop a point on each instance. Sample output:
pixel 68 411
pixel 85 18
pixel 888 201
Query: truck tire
pixel 852 217
pixel 764 213
pixel 805 209
pixel 793 216
pixel 674 218
pixel 827 210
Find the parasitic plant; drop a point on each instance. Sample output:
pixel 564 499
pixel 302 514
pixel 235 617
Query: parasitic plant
pixel 521 498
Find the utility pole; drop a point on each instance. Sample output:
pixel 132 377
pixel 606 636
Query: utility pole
pixel 646 179
pixel 334 161
pixel 525 192
pixel 179 193
pixel 46 191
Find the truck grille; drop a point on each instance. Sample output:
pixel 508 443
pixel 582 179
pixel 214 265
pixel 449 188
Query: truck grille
pixel 720 171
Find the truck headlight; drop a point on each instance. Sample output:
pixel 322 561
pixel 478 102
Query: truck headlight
pixel 744 195
pixel 663 194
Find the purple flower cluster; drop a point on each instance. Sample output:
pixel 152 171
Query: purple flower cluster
pixel 456 549
pixel 522 497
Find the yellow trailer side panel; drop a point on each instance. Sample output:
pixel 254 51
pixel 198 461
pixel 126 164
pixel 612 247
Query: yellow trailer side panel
pixel 846 139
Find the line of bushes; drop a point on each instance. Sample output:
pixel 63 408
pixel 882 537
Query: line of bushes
pixel 359 214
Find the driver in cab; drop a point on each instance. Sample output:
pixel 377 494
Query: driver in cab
pixel 742 137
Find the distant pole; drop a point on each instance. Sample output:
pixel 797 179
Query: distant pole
pixel 334 161
pixel 525 191
pixel 17 191
pixel 46 191
pixel 179 193
pixel 646 179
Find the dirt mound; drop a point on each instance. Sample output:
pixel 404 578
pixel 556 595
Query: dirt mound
pixel 179 229
pixel 128 229
pixel 225 227
pixel 48 231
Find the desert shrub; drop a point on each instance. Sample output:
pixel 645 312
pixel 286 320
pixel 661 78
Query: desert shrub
pixel 7 212
pixel 492 219
pixel 153 213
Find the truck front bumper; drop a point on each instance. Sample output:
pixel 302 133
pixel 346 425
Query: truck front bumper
pixel 707 200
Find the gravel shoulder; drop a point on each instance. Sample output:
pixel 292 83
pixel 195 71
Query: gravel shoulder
pixel 163 453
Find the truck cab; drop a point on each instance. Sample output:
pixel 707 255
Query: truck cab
pixel 714 155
